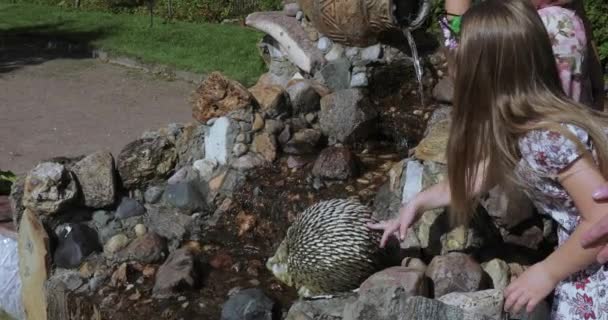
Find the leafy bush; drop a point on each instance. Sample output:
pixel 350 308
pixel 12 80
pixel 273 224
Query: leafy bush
pixel 597 11
pixel 7 179
pixel 184 10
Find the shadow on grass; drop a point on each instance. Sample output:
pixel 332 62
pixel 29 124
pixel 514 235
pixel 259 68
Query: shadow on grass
pixel 23 46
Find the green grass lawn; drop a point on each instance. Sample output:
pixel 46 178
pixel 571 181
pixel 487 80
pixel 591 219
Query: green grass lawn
pixel 194 47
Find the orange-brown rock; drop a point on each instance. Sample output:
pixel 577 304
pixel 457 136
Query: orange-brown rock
pixel 217 96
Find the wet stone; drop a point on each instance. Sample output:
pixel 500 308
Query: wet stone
pixel 129 208
pixel 184 196
pixel 248 304
pixel 75 243
pixel 179 272
pixel 115 244
pixel 337 163
pixel 149 248
pixel 153 194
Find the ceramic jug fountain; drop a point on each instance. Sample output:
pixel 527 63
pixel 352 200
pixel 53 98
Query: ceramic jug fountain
pixel 360 22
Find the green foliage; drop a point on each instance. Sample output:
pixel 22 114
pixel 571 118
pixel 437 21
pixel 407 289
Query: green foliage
pixel 184 10
pixel 198 47
pixel 7 179
pixel 597 11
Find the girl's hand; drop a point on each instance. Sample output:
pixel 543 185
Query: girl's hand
pixel 398 226
pixel 529 289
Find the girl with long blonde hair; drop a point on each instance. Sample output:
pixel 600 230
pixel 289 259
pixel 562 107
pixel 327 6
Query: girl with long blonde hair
pixel 512 124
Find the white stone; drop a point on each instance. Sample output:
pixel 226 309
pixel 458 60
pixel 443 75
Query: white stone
pixel 351 52
pixel 297 76
pixel 219 140
pixel 205 168
pixel 336 52
pixel 359 80
pixel 413 180
pixel 140 230
pixel 324 44
pixel 371 53
pixel 299 15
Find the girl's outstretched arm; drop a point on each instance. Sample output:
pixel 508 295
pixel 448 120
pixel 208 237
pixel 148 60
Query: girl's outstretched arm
pixel 580 180
pixel 436 196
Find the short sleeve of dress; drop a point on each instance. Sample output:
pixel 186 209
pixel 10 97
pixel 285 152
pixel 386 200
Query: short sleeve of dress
pixel 549 152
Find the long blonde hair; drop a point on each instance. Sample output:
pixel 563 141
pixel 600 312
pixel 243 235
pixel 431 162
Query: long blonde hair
pixel 506 84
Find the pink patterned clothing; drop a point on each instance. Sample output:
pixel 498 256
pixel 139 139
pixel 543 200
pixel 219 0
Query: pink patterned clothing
pixel 544 155
pixel 569 42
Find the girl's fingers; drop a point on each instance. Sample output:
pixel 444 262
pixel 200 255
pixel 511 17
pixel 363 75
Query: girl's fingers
pixel 602 257
pixel 532 305
pixel 601 193
pixel 405 223
pixel 389 229
pixel 377 226
pixel 596 234
pixel 511 299
pixel 521 302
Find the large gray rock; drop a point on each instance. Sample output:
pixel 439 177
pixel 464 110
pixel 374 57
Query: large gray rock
pixel 248 304
pixel 97 179
pixel 291 36
pixel 347 116
pixel 323 309
pixel 487 302
pixel 219 140
pixel 172 225
pixel 146 160
pixel 184 196
pixel 335 75
pixel 190 145
pixel 384 293
pixel 304 98
pixel 49 188
pixel 508 207
pixel 420 308
pixel 456 272
pixel 337 163
pixel 499 272
pixel 179 272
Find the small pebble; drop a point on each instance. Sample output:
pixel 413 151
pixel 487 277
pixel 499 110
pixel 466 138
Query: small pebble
pixel 185 305
pixel 254 282
pixel 140 230
pixel 258 122
pixel 181 299
pixel 362 181
pixel 129 287
pixel 116 243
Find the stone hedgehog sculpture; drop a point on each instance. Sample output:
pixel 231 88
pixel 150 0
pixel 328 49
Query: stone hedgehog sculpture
pixel 328 249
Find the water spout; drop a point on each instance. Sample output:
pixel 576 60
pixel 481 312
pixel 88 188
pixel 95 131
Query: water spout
pixel 417 63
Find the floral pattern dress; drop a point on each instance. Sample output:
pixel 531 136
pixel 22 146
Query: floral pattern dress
pixel 545 153
pixel 569 42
